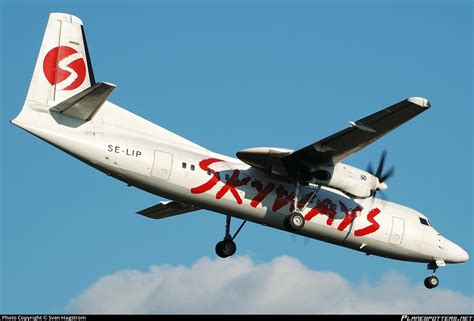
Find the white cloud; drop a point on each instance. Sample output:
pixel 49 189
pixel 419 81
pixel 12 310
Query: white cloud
pixel 239 285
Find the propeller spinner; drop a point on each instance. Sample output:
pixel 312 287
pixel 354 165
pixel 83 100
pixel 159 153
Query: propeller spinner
pixel 381 176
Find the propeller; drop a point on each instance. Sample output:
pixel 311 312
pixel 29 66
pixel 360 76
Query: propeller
pixel 380 174
pixel 295 236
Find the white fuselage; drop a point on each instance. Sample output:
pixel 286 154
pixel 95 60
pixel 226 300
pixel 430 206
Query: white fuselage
pixel 153 159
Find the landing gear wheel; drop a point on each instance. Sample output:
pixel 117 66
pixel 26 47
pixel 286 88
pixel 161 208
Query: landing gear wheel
pixel 294 222
pixel 226 248
pixel 431 282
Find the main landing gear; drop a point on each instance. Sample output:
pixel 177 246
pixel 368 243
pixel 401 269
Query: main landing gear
pixel 432 281
pixel 227 247
pixel 295 221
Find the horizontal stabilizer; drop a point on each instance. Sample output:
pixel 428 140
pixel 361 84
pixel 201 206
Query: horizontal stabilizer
pixel 167 209
pixel 85 104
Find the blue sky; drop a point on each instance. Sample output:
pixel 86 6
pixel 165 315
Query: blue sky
pixel 290 73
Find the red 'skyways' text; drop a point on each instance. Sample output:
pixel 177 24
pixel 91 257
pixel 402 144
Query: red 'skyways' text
pixel 283 198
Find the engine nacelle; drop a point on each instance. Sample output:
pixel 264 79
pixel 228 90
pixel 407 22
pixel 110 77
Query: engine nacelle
pixel 348 179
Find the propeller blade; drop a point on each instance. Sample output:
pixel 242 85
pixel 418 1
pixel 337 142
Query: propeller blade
pixel 383 196
pixel 305 241
pixel 388 174
pixel 370 169
pixel 372 199
pixel 293 237
pixel 378 174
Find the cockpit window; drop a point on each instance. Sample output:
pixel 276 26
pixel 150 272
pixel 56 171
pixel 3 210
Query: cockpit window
pixel 424 221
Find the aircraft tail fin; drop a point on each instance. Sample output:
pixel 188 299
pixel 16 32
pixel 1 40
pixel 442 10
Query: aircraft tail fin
pixel 63 67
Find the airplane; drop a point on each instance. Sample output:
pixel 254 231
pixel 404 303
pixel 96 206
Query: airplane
pixel 308 191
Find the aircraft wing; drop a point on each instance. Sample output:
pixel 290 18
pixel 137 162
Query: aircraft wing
pixel 334 148
pixel 167 209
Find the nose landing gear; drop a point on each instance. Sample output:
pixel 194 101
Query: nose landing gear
pixel 432 281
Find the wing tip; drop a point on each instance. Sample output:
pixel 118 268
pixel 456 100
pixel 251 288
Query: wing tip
pixel 420 101
pixel 109 84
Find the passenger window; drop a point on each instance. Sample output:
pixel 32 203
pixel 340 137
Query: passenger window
pixel 183 165
pixel 227 177
pixel 192 167
pixel 423 221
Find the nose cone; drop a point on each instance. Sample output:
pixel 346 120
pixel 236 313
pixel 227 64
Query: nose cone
pixel 455 253
pixel 464 255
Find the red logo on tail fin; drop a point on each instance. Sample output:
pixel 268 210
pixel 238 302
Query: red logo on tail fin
pixel 65 67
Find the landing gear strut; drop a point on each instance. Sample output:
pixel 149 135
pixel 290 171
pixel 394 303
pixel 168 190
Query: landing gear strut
pixel 432 281
pixel 227 247
pixel 295 221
